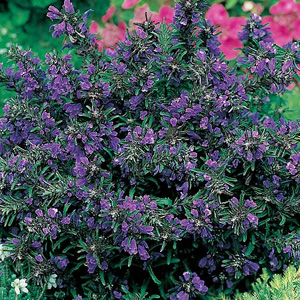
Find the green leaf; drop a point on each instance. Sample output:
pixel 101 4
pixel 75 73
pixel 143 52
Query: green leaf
pixel 169 256
pixel 283 219
pixel 57 244
pixel 249 249
pixel 230 3
pixel 154 297
pixel 79 264
pixel 130 260
pixel 102 278
pixel 154 278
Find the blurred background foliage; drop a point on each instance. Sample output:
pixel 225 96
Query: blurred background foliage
pixel 24 22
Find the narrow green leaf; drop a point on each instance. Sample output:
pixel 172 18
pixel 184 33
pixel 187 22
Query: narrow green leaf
pixel 154 278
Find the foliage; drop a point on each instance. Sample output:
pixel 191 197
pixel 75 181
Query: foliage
pixel 8 276
pixel 277 287
pixel 152 166
pixel 270 287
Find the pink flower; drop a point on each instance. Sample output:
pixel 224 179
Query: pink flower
pixel 94 27
pixel 285 21
pixel 229 28
pixel 281 34
pixel 109 13
pixel 217 14
pixel 165 13
pixel 285 7
pixel 129 3
pixel 110 34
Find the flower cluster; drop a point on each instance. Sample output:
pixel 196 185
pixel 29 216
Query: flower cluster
pixel 190 286
pixel 293 166
pixel 148 161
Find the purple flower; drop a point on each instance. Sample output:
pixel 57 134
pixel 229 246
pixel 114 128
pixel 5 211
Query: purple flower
pixel 144 255
pixel 135 101
pixel 150 137
pixel 273 260
pixel 69 7
pixel 252 219
pixel 173 121
pixel 61 262
pixel 91 263
pixel 39 258
pixel 117 295
pixel 190 286
pixel 66 220
pixel 39 213
pixel 141 33
pixel 201 54
pixel 85 15
pixel 52 212
pixel 250 203
pixel 73 109
pixel 130 246
pixel 53 13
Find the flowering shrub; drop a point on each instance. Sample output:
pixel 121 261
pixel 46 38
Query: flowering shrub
pixel 150 171
pixel 284 22
pixel 25 23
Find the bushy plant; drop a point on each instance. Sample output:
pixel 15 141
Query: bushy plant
pixel 151 171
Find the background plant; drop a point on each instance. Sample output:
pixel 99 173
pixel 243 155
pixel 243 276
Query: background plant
pixel 271 287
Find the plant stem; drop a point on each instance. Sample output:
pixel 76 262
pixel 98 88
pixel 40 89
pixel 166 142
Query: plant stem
pixel 42 293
